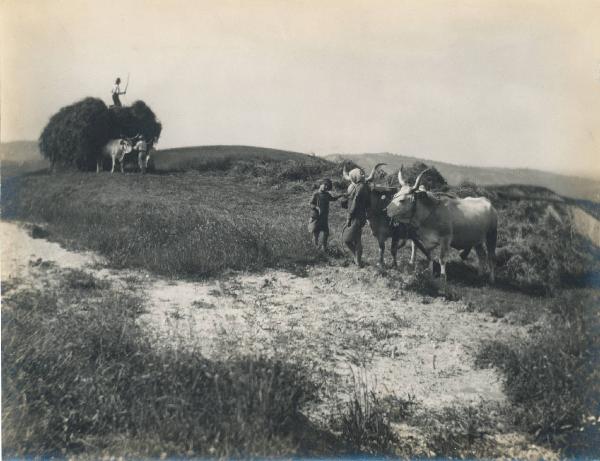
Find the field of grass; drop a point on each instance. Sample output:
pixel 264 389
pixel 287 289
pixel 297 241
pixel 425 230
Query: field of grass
pixel 247 215
pixel 187 224
pixel 80 375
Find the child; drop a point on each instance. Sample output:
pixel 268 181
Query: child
pixel 319 218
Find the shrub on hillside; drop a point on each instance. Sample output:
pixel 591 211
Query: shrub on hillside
pixel 75 135
pixel 432 179
pixel 536 246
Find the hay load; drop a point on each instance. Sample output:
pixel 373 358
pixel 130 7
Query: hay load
pixel 75 136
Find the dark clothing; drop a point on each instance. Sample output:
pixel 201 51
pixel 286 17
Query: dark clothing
pixel 357 203
pixel 116 100
pixel 353 233
pixel 319 222
pixel 357 213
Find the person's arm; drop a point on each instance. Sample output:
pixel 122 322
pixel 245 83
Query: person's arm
pixel 314 201
pixel 333 198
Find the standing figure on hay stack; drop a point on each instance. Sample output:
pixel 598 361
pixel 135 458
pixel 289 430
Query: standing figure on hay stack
pixel 116 92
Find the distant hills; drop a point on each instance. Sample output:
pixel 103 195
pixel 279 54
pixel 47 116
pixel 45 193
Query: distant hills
pixel 568 186
pixel 21 157
pixel 24 156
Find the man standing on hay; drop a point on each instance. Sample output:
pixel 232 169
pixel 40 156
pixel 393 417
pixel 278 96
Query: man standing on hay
pixel 116 92
pixel 319 218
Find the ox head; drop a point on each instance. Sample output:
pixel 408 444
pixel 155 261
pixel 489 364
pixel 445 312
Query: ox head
pixel 403 205
pixel 126 145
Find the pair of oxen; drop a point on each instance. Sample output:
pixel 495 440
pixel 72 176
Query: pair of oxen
pixel 432 221
pixel 117 149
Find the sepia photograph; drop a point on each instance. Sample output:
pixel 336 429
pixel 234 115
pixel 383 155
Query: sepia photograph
pixel 300 229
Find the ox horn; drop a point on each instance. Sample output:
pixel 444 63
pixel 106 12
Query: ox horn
pixel 370 177
pixel 345 173
pixel 418 180
pixel 400 178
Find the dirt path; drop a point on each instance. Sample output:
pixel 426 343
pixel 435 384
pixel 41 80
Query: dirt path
pixel 349 324
pixel 347 321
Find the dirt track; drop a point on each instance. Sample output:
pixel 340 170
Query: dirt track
pixel 350 324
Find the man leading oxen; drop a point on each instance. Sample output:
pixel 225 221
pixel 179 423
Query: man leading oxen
pixel 443 221
pixel 367 202
pixel 143 150
pixel 358 200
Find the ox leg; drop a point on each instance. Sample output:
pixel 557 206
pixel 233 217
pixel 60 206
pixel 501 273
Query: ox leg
pixel 490 243
pixel 359 252
pixel 444 248
pixel 413 252
pixel 394 251
pixel 482 259
pixel 382 253
pixel 112 170
pixel 97 166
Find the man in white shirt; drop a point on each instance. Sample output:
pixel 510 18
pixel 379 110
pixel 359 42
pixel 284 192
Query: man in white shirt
pixel 116 91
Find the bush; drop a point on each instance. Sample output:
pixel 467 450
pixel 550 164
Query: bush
pixel 75 135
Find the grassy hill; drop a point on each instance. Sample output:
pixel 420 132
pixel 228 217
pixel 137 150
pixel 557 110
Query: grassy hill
pixel 569 186
pixel 23 156
pixel 199 224
pixel 221 157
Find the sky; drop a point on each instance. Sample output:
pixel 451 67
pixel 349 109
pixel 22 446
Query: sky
pixel 483 83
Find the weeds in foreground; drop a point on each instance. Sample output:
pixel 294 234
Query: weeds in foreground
pixel 79 375
pixel 457 432
pixel 364 421
pixel 547 374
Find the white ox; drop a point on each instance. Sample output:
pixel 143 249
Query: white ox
pixel 443 221
pixel 115 149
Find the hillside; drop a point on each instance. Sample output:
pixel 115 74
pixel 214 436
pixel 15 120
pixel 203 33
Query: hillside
pixel 19 151
pixel 23 156
pixel 220 157
pixel 569 186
